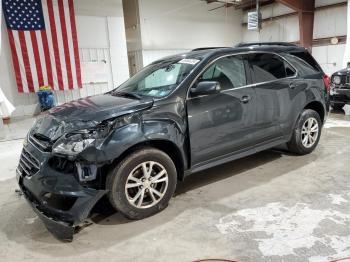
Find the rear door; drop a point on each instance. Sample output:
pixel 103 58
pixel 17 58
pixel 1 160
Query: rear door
pixel 221 124
pixel 272 77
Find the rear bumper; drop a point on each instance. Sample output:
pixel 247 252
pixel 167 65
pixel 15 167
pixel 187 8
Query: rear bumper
pixel 59 200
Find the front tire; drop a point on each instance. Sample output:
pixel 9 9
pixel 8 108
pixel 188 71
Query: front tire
pixel 306 134
pixel 142 184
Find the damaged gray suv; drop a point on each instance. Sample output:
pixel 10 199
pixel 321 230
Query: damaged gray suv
pixel 177 116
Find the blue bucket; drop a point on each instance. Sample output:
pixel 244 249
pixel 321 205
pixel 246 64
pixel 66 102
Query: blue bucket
pixel 46 99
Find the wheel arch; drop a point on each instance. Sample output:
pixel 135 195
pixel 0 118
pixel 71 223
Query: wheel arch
pixel 318 107
pixel 168 147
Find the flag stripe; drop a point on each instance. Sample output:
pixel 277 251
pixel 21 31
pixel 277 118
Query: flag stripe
pixel 20 61
pixel 65 42
pixel 75 42
pixel 50 53
pixel 37 61
pixel 55 44
pixel 61 47
pixel 42 57
pixel 15 61
pixel 31 69
pixel 22 41
pixel 47 58
pixel 70 45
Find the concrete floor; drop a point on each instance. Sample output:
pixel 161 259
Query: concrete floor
pixel 268 207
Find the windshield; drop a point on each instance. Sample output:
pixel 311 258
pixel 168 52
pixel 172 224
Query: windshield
pixel 158 79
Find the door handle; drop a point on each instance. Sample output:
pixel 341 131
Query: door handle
pixel 245 99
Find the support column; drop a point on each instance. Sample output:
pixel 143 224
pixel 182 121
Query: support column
pixel 306 12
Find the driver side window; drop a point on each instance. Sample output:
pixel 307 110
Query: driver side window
pixel 228 71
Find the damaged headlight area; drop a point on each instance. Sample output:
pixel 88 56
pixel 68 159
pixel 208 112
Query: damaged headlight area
pixel 76 142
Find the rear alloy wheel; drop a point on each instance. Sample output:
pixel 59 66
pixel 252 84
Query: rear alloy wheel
pixel 142 184
pixel 309 132
pixel 306 134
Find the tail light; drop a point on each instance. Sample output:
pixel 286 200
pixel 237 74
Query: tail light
pixel 327 82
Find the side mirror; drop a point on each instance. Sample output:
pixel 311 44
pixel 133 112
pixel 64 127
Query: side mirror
pixel 206 88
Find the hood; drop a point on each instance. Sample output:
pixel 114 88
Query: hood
pixel 342 72
pixel 85 113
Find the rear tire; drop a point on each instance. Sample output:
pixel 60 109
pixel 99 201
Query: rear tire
pixel 142 184
pixel 306 134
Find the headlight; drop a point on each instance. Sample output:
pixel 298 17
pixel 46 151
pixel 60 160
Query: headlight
pixel 336 80
pixel 74 143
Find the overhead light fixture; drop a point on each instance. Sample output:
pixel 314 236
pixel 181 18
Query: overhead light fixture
pixel 334 40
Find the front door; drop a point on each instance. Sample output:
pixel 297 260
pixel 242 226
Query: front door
pixel 221 124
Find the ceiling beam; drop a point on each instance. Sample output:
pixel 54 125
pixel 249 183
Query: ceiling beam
pixel 293 4
pixel 243 4
pixel 323 7
pixel 299 5
pixel 249 4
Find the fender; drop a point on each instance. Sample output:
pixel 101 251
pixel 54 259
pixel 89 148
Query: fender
pixel 300 100
pixel 140 131
pixel 311 103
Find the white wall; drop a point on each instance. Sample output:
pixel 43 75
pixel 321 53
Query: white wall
pixel 169 27
pixel 330 57
pixel 101 36
pixel 284 29
pixel 328 23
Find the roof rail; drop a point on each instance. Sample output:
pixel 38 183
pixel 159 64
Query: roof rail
pixel 206 48
pixel 264 43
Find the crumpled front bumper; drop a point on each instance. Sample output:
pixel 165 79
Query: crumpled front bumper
pixel 58 199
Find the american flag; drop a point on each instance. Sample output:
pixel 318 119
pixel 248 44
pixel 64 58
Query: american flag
pixel 44 45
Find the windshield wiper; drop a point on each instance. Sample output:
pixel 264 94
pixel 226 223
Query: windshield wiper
pixel 126 94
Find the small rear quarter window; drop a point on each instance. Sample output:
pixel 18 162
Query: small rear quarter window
pixel 305 63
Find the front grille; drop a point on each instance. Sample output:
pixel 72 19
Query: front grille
pixel 28 164
pixel 344 82
pixel 344 79
pixel 41 144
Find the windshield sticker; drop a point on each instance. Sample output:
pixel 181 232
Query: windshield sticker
pixel 189 61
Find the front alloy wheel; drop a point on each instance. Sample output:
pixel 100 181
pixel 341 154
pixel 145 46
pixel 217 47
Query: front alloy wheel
pixel 142 184
pixel 146 184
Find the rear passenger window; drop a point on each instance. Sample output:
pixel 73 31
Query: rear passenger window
pixel 304 68
pixel 228 71
pixel 269 67
pixel 308 60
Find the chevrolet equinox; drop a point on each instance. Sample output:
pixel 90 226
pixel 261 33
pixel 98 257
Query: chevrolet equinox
pixel 177 116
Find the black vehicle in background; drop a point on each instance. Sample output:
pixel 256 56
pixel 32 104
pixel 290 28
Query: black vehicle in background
pixel 179 115
pixel 340 88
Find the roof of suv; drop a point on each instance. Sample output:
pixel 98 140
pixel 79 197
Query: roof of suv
pixel 265 46
pixel 206 52
pixel 277 47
